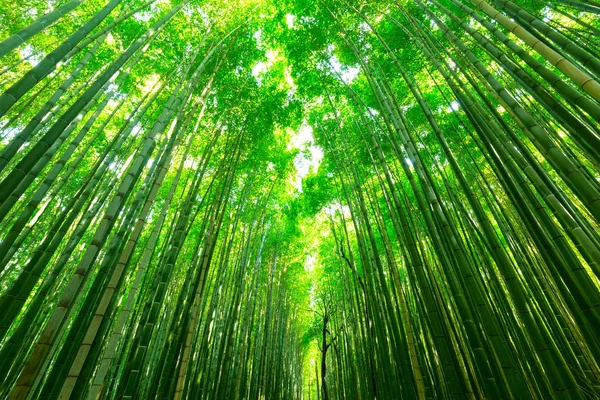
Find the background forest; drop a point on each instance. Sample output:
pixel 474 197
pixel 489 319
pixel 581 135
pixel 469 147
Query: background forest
pixel 292 199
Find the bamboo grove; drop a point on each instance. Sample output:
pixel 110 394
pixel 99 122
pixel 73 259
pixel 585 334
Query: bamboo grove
pixel 259 199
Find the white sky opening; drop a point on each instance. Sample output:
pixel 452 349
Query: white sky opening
pixel 289 20
pixel 33 59
pixel 454 106
pixel 347 73
pixel 258 38
pixel 263 66
pixel 310 155
pixel 309 262
pixel 332 208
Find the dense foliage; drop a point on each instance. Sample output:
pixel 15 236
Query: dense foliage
pixel 286 199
